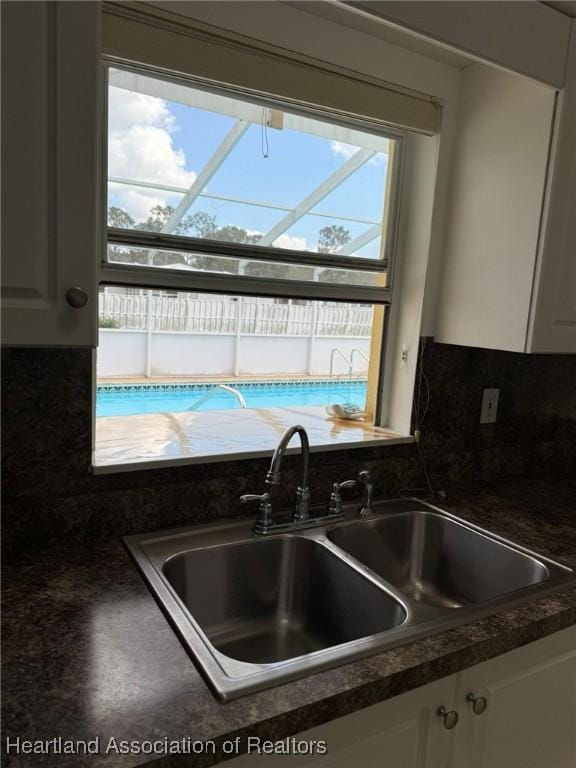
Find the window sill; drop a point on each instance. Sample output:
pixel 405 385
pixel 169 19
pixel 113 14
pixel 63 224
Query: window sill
pixel 150 441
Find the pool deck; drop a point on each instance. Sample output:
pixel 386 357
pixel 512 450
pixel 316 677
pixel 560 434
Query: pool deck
pixel 125 443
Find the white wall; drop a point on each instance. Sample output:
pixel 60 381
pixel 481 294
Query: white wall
pixel 272 354
pixel 181 354
pixel 123 353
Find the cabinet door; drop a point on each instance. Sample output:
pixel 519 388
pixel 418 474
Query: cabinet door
pixel 530 718
pixel 50 162
pixel 403 732
pixel 553 320
pixel 493 219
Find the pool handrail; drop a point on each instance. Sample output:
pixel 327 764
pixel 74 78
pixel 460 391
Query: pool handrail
pixel 207 395
pixel 348 360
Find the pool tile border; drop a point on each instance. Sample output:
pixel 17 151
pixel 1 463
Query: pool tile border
pixel 109 389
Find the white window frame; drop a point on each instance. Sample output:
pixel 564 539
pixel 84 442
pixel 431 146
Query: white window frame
pixel 408 230
pixel 157 278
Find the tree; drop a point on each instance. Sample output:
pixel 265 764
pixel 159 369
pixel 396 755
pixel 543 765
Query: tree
pixel 281 271
pixel 346 277
pixel 159 215
pixel 117 217
pixel 157 218
pixel 203 225
pixel 332 238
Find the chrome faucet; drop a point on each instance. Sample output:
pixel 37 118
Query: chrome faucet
pixel 268 520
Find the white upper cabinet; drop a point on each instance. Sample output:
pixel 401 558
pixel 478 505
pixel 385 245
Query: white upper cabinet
pixel 553 321
pixel 49 173
pixel 493 213
pixel 509 274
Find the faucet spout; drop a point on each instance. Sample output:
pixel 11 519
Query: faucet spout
pixel 274 473
pixel 270 521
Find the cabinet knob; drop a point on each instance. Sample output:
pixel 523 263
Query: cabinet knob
pixel 76 297
pixel 449 717
pixel 479 703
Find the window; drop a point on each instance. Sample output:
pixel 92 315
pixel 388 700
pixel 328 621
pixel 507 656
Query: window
pixel 247 272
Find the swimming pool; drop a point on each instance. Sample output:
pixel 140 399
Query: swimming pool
pixel 131 399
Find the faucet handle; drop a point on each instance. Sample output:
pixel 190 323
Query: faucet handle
pixel 246 498
pixel 264 519
pixel 335 507
pixel 345 484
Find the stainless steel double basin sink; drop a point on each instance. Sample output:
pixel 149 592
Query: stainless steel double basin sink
pixel 256 611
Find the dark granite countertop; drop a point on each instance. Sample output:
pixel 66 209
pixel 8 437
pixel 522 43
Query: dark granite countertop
pixel 87 652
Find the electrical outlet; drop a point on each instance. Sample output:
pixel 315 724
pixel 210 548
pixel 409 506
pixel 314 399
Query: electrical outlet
pixel 489 411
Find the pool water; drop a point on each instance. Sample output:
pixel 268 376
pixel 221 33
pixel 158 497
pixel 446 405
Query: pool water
pixel 127 400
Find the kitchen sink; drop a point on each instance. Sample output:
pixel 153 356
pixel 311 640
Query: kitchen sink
pixel 254 611
pixel 438 561
pixel 275 599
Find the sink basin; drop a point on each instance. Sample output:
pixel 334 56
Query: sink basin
pixel 436 560
pixel 275 599
pixel 257 611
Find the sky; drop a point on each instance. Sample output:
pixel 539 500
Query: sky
pixel 155 140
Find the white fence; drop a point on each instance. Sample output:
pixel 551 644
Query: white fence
pixel 168 313
pixel 169 336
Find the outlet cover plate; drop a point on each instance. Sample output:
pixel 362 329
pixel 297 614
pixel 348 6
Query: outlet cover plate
pixel 489 412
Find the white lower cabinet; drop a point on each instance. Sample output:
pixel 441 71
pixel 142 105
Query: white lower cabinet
pixel 525 717
pixel 530 715
pixel 403 732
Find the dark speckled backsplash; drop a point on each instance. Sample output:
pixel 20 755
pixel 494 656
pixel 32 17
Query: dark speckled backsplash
pixel 50 493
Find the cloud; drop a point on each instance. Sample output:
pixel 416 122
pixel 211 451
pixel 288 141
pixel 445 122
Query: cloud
pixel 140 147
pixel 146 153
pixel 126 109
pixel 344 150
pixel 347 150
pixel 137 203
pixel 285 241
pixel 292 242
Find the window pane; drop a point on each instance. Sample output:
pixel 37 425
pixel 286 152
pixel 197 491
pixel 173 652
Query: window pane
pixel 272 353
pixel 228 265
pixel 185 161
